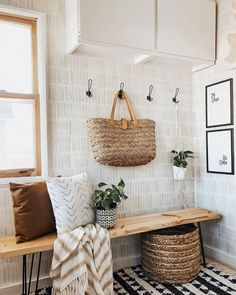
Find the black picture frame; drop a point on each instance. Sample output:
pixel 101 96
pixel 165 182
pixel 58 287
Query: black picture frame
pixel 222 159
pixel 231 107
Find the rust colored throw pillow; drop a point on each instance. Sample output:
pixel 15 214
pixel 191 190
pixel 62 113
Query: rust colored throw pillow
pixel 32 211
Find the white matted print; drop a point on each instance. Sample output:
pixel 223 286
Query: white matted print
pixel 220 151
pixel 219 104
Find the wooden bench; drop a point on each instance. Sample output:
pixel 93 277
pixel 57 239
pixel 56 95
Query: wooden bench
pixel 124 227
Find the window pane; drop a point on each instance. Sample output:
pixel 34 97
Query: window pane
pixel 15 57
pixel 16 134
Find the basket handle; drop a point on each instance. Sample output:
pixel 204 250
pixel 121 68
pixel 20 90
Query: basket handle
pixel 128 104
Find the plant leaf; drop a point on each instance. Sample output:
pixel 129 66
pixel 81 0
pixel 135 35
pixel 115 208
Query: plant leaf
pixel 121 190
pixel 115 189
pixel 189 152
pixel 99 193
pixel 101 184
pixel 184 164
pixel 115 198
pixel 121 183
pixel 105 204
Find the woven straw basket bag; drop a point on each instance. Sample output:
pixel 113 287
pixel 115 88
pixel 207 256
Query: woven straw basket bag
pixel 122 142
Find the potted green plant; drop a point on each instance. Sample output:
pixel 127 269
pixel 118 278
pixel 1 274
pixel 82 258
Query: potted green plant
pixel 180 163
pixel 105 201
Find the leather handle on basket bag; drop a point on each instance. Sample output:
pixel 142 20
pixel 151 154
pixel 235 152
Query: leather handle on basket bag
pixel 128 104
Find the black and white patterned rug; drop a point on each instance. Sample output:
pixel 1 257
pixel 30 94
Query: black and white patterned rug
pixel 210 281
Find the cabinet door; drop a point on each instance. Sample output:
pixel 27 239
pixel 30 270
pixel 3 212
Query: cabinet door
pixel 187 28
pixel 128 23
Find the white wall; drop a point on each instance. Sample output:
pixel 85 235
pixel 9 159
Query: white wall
pixel 215 191
pixel 150 188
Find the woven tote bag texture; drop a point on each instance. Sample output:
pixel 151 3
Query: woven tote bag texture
pixel 121 142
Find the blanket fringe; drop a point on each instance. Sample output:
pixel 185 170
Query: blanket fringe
pixel 78 287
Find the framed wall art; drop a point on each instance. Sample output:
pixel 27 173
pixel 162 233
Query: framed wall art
pixel 220 151
pixel 219 104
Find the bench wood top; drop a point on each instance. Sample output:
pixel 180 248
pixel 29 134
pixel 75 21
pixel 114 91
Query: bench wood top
pixel 124 227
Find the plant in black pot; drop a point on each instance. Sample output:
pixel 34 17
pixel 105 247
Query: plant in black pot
pixel 105 201
pixel 180 163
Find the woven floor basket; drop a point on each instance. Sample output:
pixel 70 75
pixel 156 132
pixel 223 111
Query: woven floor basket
pixel 122 142
pixel 171 255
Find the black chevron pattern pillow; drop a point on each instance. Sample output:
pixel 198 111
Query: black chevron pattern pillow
pixel 70 197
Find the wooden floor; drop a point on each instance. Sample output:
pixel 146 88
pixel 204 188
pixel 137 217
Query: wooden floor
pixel 125 227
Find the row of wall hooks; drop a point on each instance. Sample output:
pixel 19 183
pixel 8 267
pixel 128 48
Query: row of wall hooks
pixel 120 92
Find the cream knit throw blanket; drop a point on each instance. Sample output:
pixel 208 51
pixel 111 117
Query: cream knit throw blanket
pixel 82 262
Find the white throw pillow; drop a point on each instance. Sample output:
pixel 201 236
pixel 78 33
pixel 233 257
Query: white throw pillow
pixel 70 197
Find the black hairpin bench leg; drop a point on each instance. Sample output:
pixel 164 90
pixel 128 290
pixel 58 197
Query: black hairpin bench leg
pixel 31 269
pixel 24 275
pixel 38 272
pixel 201 244
pixel 25 288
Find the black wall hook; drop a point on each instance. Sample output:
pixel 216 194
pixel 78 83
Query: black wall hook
pixel 89 92
pixel 120 92
pixel 149 98
pixel 174 99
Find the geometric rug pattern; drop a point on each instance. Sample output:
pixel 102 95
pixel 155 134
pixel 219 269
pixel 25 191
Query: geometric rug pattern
pixel 131 280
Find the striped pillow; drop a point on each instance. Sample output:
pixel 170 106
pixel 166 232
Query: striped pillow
pixel 70 197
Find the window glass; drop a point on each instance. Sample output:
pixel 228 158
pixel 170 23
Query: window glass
pixel 17 147
pixel 15 57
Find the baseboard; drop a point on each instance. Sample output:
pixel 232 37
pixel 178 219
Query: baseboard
pixel 220 256
pixel 126 262
pixel 16 289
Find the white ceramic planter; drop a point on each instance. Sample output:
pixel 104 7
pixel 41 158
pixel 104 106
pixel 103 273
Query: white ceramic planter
pixel 107 218
pixel 179 173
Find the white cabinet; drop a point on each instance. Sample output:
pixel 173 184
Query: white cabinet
pixel 128 23
pixel 72 14
pixel 187 28
pixel 122 30
pixel 139 30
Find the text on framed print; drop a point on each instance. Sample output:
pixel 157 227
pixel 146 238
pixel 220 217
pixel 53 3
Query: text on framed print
pixel 219 104
pixel 220 151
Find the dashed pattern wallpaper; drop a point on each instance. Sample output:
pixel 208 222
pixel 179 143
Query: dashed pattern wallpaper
pixel 216 192
pixel 150 188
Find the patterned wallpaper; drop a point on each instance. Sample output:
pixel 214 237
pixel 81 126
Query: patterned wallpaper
pixel 216 192
pixel 150 188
